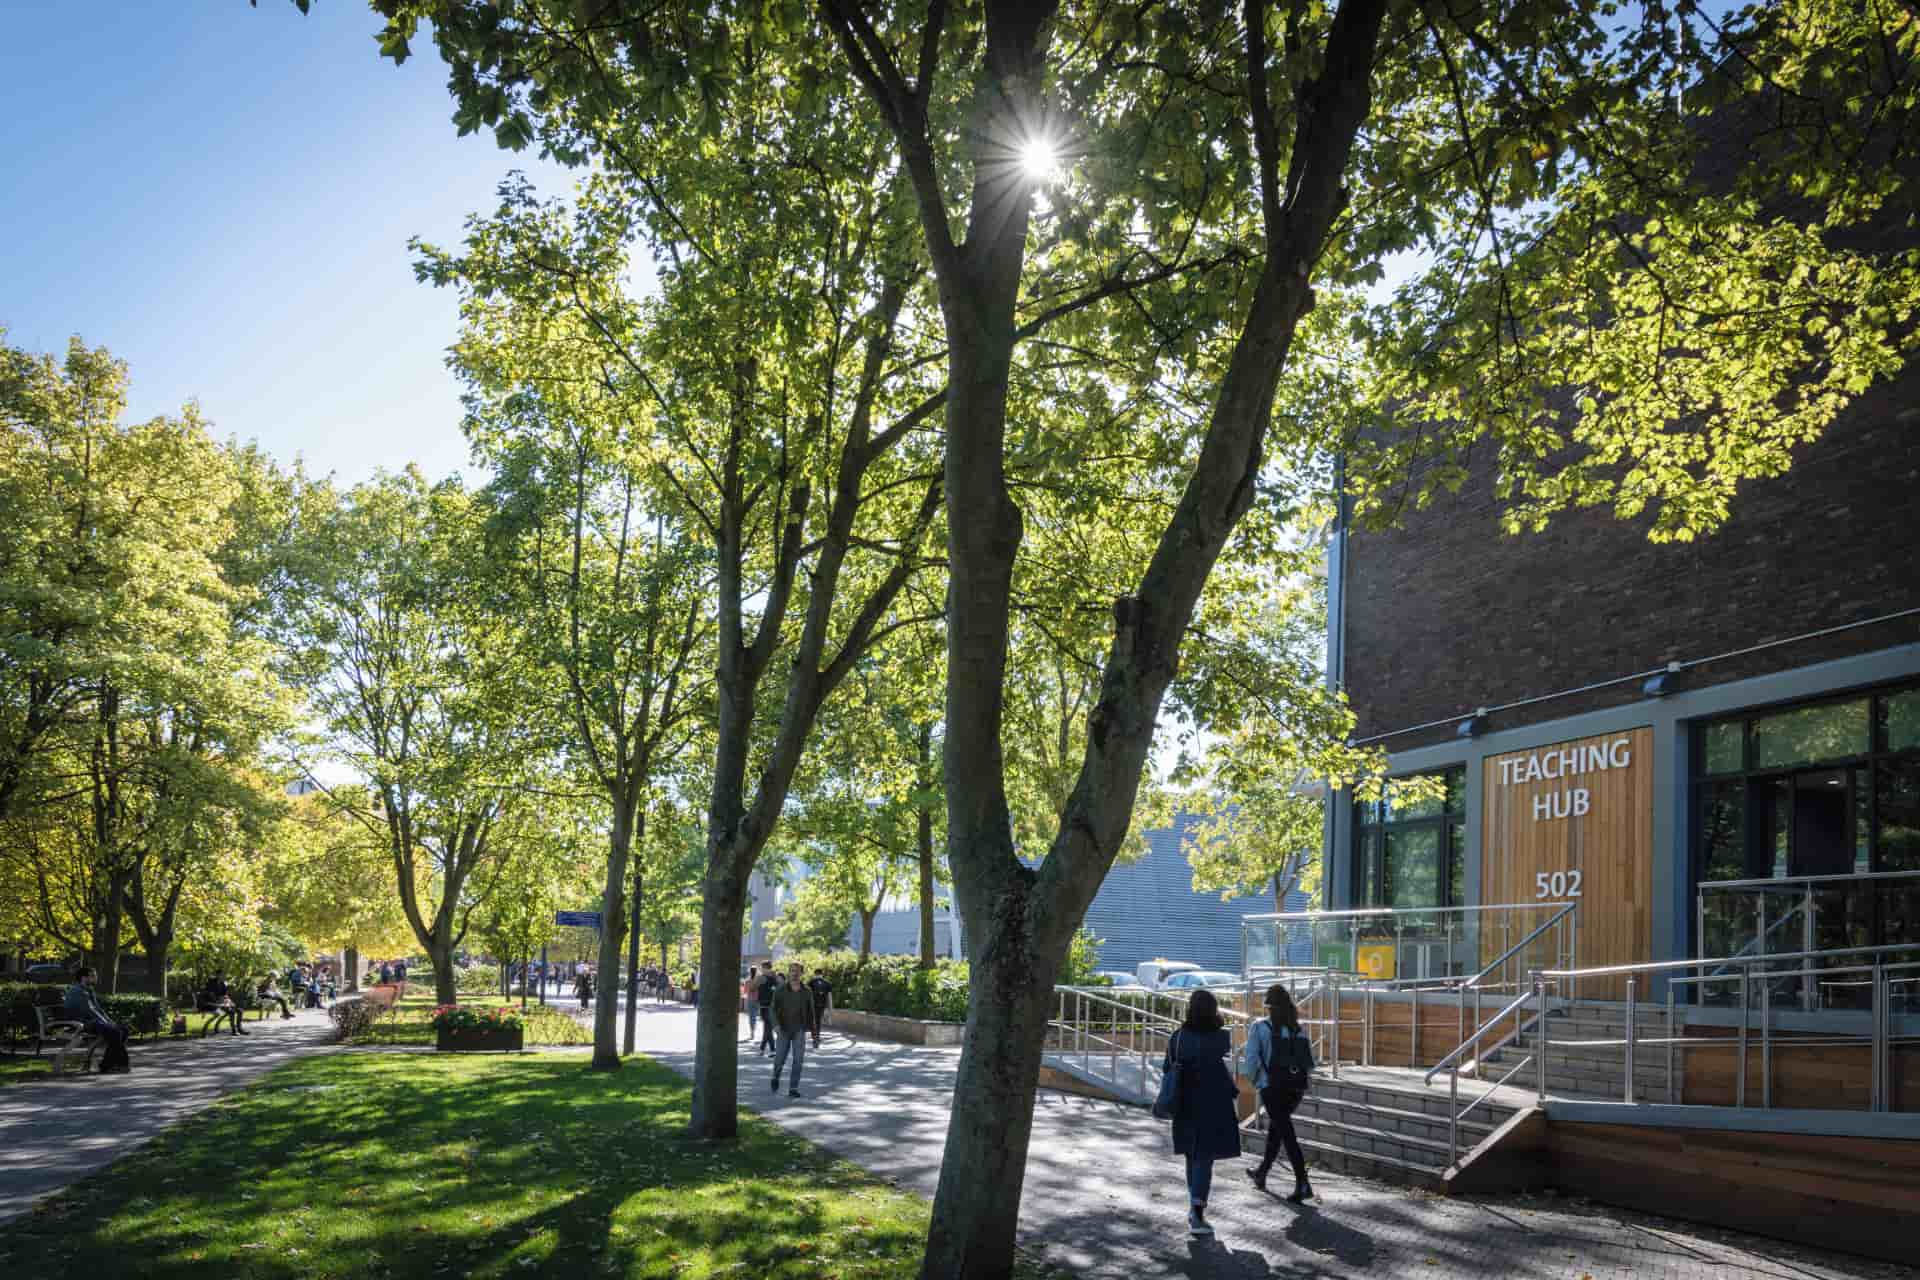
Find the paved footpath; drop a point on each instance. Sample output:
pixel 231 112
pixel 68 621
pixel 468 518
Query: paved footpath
pixel 1105 1196
pixel 56 1130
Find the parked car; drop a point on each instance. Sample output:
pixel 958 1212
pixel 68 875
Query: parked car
pixel 1194 979
pixel 1119 978
pixel 49 973
pixel 1153 974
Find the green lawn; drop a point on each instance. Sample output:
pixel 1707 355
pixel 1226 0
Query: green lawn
pixel 396 1166
pixel 408 1022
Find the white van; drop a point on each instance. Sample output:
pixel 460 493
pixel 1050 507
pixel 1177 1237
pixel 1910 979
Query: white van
pixel 1153 974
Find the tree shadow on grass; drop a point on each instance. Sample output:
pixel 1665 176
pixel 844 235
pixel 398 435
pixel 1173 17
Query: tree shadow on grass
pixel 415 1166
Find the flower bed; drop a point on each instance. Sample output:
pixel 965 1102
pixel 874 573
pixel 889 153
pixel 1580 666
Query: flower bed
pixel 467 1028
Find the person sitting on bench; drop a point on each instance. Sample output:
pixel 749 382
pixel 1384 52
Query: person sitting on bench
pixel 83 1007
pixel 217 998
pixel 269 993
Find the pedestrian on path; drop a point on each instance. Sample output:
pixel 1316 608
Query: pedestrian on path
pixel 750 997
pixel 792 1017
pixel 1279 1061
pixel 822 1002
pixel 1206 1125
pixel 764 991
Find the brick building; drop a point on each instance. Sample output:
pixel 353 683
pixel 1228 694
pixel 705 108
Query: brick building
pixel 1650 716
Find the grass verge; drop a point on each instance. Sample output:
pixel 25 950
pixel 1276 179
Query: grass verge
pixel 405 1166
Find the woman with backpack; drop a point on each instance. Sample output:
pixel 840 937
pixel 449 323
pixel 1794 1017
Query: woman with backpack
pixel 1206 1122
pixel 1279 1061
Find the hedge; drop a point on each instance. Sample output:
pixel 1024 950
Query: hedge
pixel 141 1013
pixel 895 986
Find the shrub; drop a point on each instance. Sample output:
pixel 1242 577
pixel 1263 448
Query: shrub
pixel 141 1013
pixel 469 1017
pixel 354 1015
pixel 895 986
pixel 480 980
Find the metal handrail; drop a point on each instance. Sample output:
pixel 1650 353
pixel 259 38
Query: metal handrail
pixel 1786 882
pixel 1661 966
pixel 1352 912
pixel 1475 1038
pixel 1521 945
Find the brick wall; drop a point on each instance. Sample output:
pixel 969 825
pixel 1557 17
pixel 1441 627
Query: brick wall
pixel 1445 613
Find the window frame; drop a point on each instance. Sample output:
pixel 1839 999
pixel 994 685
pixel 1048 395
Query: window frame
pixel 1368 849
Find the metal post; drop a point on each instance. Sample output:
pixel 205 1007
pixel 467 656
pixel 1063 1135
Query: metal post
pixel 1632 1006
pixel 1333 1050
pixel 1413 1031
pixel 1453 1115
pixel 1766 1044
pixel 1809 982
pixel 1740 1075
pixel 1670 1047
pixel 1878 1043
pixel 1476 1028
pixel 1366 1028
pixel 1540 1036
pixel 543 973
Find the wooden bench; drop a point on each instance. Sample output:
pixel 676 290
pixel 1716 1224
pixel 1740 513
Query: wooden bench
pixel 67 1036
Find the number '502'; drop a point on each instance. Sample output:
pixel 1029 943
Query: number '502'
pixel 1558 884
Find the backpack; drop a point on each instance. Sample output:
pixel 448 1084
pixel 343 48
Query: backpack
pixel 1291 1067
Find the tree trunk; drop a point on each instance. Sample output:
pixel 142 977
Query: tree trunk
pixel 157 950
pixel 440 954
pixel 353 969
pixel 106 934
pixel 984 1165
pixel 923 839
pixel 716 1055
pixel 632 983
pixel 613 919
pixel 866 931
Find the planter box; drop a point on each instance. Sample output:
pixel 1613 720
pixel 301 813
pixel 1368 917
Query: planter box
pixel 473 1040
pixel 878 1026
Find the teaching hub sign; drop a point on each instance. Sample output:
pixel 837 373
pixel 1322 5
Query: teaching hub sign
pixel 1572 766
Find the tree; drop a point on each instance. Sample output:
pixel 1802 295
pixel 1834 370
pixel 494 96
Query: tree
pixel 612 597
pixel 332 878
pixel 1225 167
pixel 785 428
pixel 420 691
pixel 816 917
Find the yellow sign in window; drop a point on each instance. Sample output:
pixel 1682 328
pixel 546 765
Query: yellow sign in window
pixel 1376 959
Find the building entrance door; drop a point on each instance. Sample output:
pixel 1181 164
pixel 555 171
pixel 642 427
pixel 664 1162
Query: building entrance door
pixel 1822 822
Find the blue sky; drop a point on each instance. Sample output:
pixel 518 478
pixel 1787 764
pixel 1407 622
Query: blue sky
pixel 222 196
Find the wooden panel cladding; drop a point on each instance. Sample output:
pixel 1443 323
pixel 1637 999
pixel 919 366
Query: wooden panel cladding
pixel 1574 820
pixel 1441 1026
pixel 1816 1076
pixel 1860 1195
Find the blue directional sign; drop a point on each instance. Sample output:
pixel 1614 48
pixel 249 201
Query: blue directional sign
pixel 586 919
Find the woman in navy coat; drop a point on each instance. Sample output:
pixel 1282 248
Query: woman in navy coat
pixel 1206 1127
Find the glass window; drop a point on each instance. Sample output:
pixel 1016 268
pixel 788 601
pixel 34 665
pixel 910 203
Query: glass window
pixel 1456 865
pixel 1829 731
pixel 1900 721
pixel 1723 747
pixel 1411 852
pixel 1723 832
pixel 1413 867
pixel 1898 799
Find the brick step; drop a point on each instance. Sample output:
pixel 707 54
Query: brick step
pixel 1365 1139
pixel 1395 1120
pixel 1326 1157
pixel 1411 1098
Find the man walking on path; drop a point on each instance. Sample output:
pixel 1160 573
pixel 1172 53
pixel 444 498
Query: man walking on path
pixel 792 1018
pixel 764 992
pixel 822 1002
pixel 750 997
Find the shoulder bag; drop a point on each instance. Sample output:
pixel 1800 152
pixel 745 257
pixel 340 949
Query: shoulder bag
pixel 1167 1104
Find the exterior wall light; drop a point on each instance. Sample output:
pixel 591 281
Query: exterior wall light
pixel 1666 682
pixel 1473 726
